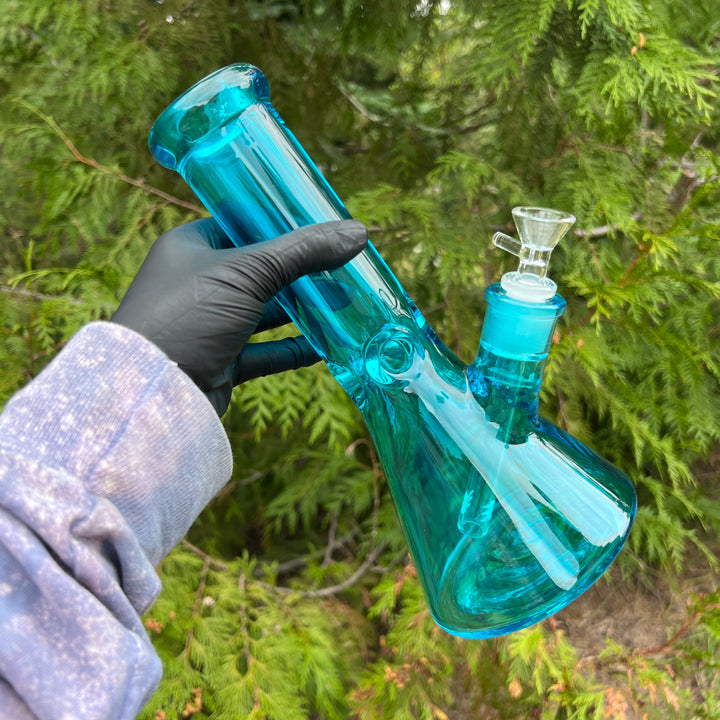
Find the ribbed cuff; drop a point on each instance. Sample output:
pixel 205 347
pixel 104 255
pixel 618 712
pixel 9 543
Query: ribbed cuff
pixel 114 412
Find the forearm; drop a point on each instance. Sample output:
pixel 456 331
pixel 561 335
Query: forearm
pixel 105 461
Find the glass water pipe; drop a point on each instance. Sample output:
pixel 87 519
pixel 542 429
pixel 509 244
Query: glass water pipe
pixel 508 519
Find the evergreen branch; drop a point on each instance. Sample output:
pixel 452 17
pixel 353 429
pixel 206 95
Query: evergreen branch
pixel 37 39
pixel 196 605
pixel 681 631
pixel 284 567
pixel 201 553
pixel 565 422
pixel 32 295
pixel 631 266
pixel 376 497
pixel 49 351
pixel 666 645
pixel 688 182
pixel 601 230
pixel 331 540
pixel 245 632
pixel 372 117
pixel 471 112
pixel 296 563
pixel 91 162
pixel 31 345
pixel 438 131
pixel 450 309
pixel 377 474
pixel 598 264
pixel 132 232
pixel 367 565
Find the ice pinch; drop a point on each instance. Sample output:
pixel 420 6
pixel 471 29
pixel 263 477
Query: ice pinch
pixel 508 518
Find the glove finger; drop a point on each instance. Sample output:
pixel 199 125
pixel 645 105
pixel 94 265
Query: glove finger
pixel 336 296
pixel 275 263
pixel 210 232
pixel 273 317
pixel 268 358
pixel 206 230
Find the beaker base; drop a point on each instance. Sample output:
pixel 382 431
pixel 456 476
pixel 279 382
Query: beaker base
pixel 487 591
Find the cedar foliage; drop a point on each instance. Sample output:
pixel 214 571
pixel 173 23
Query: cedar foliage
pixel 293 597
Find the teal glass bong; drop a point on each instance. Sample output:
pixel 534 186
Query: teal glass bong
pixel 507 517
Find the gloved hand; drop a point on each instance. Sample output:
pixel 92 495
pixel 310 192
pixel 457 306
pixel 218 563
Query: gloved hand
pixel 199 299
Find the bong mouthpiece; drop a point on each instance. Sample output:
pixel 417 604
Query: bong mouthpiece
pixel 540 230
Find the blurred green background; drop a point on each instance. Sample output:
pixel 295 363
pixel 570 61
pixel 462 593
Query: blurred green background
pixel 431 120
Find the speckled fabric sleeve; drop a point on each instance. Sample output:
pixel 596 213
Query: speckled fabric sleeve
pixel 106 459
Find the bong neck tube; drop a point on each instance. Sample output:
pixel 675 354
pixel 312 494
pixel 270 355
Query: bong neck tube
pixel 232 148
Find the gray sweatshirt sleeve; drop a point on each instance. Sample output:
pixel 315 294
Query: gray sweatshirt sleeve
pixel 106 458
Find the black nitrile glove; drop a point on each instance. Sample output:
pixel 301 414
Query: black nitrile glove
pixel 199 299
